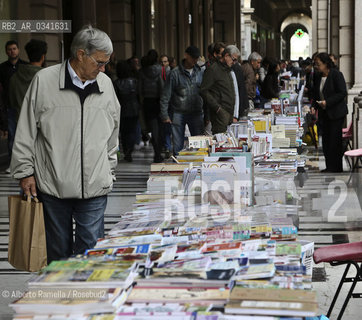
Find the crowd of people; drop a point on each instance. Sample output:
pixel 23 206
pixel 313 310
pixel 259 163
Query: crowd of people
pixel 159 98
pixel 209 95
pixel 63 122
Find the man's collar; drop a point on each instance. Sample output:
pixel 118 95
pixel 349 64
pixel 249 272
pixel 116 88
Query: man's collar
pixel 64 69
pixel 18 61
pixel 90 88
pixel 75 78
pixel 12 64
pixel 195 67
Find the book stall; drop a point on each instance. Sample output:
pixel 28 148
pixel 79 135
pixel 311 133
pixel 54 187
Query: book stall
pixel 215 236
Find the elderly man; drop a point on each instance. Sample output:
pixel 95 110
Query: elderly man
pixel 250 69
pixel 218 89
pixel 182 92
pixel 65 148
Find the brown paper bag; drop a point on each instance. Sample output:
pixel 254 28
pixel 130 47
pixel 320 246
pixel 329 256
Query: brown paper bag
pixel 27 243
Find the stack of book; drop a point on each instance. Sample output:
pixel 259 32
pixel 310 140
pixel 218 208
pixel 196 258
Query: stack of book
pixel 240 128
pixel 184 253
pixel 291 132
pixel 166 177
pixel 68 301
pixel 116 270
pixel 283 229
pixel 196 155
pixel 164 183
pixel 199 142
pixel 279 302
pixel 291 119
pixel 191 260
pixel 290 165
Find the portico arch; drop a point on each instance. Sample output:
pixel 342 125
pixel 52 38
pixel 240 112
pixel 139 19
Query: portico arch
pixel 297 19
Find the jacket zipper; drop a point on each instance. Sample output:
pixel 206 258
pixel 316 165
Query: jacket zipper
pixel 81 147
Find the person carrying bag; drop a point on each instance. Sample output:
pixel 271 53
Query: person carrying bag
pixel 27 244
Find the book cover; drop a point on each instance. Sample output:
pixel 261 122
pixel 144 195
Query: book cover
pixel 177 294
pixel 272 308
pixel 284 295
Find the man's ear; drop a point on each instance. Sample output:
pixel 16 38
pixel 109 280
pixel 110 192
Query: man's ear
pixel 80 55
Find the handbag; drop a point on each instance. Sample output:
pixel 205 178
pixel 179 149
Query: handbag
pixel 27 242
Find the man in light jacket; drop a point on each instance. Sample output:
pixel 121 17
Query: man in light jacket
pixel 66 143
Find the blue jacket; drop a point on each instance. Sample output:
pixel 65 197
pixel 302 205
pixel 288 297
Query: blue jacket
pixel 182 91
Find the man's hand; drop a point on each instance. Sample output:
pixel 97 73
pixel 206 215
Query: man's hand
pixel 3 134
pixel 168 120
pixel 235 120
pixel 29 186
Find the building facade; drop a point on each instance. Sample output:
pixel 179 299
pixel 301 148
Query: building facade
pixel 169 26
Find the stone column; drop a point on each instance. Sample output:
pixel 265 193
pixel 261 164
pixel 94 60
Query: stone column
pixel 246 42
pixel 314 26
pixel 208 18
pixel 121 27
pixel 238 23
pixel 171 28
pixel 142 27
pixel 334 27
pixel 183 11
pixel 346 41
pixel 357 86
pixel 197 25
pixel 320 25
pixel 160 27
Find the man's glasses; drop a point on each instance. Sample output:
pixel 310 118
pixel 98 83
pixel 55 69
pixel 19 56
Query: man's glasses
pixel 234 60
pixel 99 64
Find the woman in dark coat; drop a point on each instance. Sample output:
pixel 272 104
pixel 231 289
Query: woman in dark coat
pixel 270 85
pixel 329 98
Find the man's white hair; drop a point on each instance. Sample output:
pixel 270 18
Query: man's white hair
pixel 254 56
pixel 91 39
pixel 231 49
